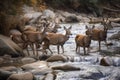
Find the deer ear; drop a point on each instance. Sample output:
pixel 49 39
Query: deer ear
pixel 70 27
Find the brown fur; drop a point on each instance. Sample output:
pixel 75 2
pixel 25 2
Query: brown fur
pixel 98 35
pixel 33 39
pixel 82 41
pixel 58 39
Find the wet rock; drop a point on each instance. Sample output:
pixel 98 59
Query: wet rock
pixel 49 76
pixel 1 60
pixel 32 16
pixel 116 61
pixel 35 65
pixel 41 71
pixel 49 14
pixel 7 46
pixel 115 75
pixel 115 36
pixel 4 74
pixel 66 68
pixel 21 76
pixel 9 68
pixel 106 61
pixel 56 58
pixel 27 60
pixel 71 19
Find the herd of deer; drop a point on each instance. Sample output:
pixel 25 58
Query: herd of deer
pixel 35 39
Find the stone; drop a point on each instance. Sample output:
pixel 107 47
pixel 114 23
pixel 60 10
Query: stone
pixel 65 68
pixel 41 71
pixel 9 68
pixel 49 76
pixel 35 65
pixel 71 19
pixel 21 76
pixel 106 61
pixel 56 58
pixel 49 14
pixel 4 74
pixel 7 46
pixel 27 60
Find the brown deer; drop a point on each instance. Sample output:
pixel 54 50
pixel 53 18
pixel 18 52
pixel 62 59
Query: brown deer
pixel 97 34
pixel 82 41
pixel 58 39
pixel 34 39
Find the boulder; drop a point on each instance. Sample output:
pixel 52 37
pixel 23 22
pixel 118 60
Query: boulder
pixel 21 76
pixel 35 65
pixel 49 14
pixel 115 36
pixel 71 19
pixel 41 71
pixel 4 74
pixel 56 58
pixel 27 60
pixel 106 61
pixel 7 46
pixel 66 68
pixel 9 68
pixel 1 60
pixel 49 76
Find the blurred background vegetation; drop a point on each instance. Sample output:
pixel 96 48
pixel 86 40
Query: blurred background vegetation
pixel 10 10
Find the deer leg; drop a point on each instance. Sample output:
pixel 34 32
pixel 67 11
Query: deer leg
pixel 33 49
pixel 99 45
pixel 106 43
pixel 62 48
pixel 76 48
pixel 36 49
pixel 50 50
pixel 88 50
pixel 79 49
pixel 28 51
pixel 84 50
pixel 58 48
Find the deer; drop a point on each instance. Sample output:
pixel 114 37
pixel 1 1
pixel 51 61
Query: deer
pixel 82 41
pixel 34 39
pixel 97 34
pixel 57 39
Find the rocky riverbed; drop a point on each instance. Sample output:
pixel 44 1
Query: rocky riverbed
pixel 103 65
pixel 98 65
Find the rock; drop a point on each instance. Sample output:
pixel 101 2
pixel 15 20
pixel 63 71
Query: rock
pixel 1 60
pixel 56 58
pixel 49 76
pixel 116 61
pixel 33 16
pixel 7 46
pixel 27 60
pixel 71 19
pixel 106 61
pixel 9 68
pixel 41 71
pixel 21 76
pixel 115 75
pixel 115 36
pixel 66 68
pixel 4 74
pixel 49 14
pixel 35 65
